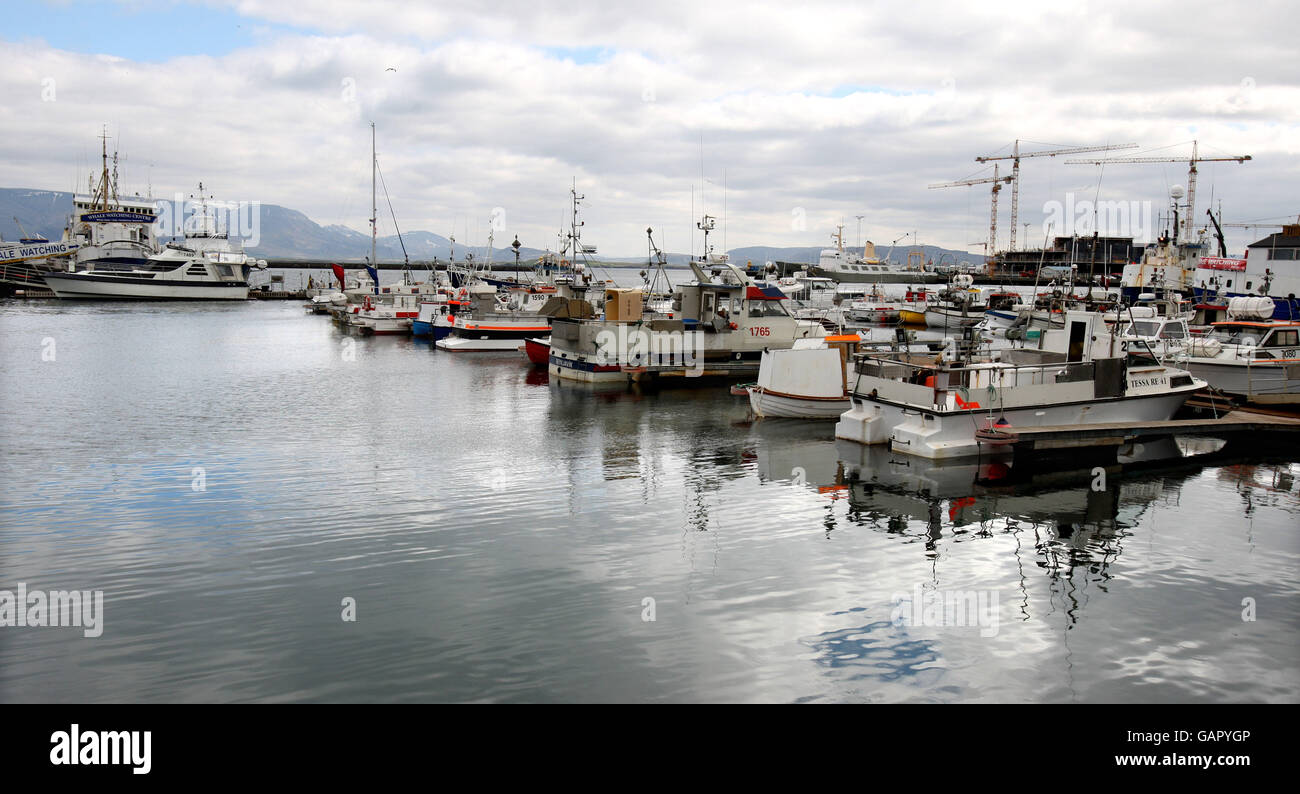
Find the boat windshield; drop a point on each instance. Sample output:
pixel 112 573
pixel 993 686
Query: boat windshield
pixel 1144 328
pixel 1238 335
pixel 767 309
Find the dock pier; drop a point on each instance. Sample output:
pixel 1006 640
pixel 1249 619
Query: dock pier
pixel 1104 441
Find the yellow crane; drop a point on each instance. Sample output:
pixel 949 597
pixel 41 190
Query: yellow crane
pixel 997 181
pixel 1015 156
pixel 1189 219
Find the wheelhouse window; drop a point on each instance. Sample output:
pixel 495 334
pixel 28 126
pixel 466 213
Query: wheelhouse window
pixel 1285 338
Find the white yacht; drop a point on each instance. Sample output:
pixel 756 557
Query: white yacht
pixel 205 265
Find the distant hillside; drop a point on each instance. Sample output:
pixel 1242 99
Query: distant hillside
pixel 42 212
pixel 289 234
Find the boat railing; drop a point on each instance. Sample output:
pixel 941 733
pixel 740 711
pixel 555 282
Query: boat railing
pixel 920 380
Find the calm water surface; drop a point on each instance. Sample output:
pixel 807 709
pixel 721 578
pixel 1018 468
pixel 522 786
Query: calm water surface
pixel 501 536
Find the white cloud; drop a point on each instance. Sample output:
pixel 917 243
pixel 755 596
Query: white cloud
pixel 840 109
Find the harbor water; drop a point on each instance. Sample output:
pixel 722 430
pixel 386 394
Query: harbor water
pixel 276 511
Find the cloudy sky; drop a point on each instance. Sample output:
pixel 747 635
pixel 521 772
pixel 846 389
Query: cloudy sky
pixel 808 112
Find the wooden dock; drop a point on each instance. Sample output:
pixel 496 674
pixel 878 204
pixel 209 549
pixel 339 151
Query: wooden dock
pixel 1105 439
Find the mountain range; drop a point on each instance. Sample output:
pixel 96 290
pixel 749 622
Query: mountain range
pixel 287 234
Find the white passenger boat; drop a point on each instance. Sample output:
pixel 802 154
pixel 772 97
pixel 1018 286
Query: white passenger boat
pixel 838 264
pixel 206 265
pixel 1078 374
pixel 805 381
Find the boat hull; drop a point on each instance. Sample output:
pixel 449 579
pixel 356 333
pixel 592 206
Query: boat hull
pixel 1264 382
pixel 538 351
pixel 85 286
pixel 943 435
pixel 461 344
pixel 880 277
pixel 766 403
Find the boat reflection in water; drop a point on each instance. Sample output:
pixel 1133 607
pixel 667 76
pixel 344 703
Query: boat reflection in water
pixel 1032 564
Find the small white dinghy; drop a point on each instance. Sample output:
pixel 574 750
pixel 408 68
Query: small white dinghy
pixel 805 381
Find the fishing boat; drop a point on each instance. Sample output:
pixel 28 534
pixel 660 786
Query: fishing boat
pixel 205 265
pixel 538 350
pixel 1162 336
pixel 805 381
pixel 718 325
pixel 390 312
pixel 1079 374
pixel 958 306
pixel 875 308
pixel 915 302
pixel 1251 355
pixel 494 322
pixel 1271 269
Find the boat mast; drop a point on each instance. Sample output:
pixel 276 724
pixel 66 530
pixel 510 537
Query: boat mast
pixel 374 210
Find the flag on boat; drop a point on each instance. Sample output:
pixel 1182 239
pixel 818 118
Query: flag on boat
pixel 374 276
pixel 338 274
pixel 764 293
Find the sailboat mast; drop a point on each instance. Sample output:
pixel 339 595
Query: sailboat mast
pixel 374 210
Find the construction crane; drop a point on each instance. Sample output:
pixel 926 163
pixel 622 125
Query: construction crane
pixel 1189 219
pixel 1015 156
pixel 993 218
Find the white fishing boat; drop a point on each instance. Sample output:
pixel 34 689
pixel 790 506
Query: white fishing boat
pixel 1162 336
pixel 388 313
pixel 1078 374
pixel 1271 268
pixel 806 381
pixel 495 321
pixel 717 325
pixel 1250 356
pixel 958 306
pixel 875 308
pixel 205 265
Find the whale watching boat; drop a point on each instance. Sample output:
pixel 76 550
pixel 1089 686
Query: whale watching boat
pixel 205 265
